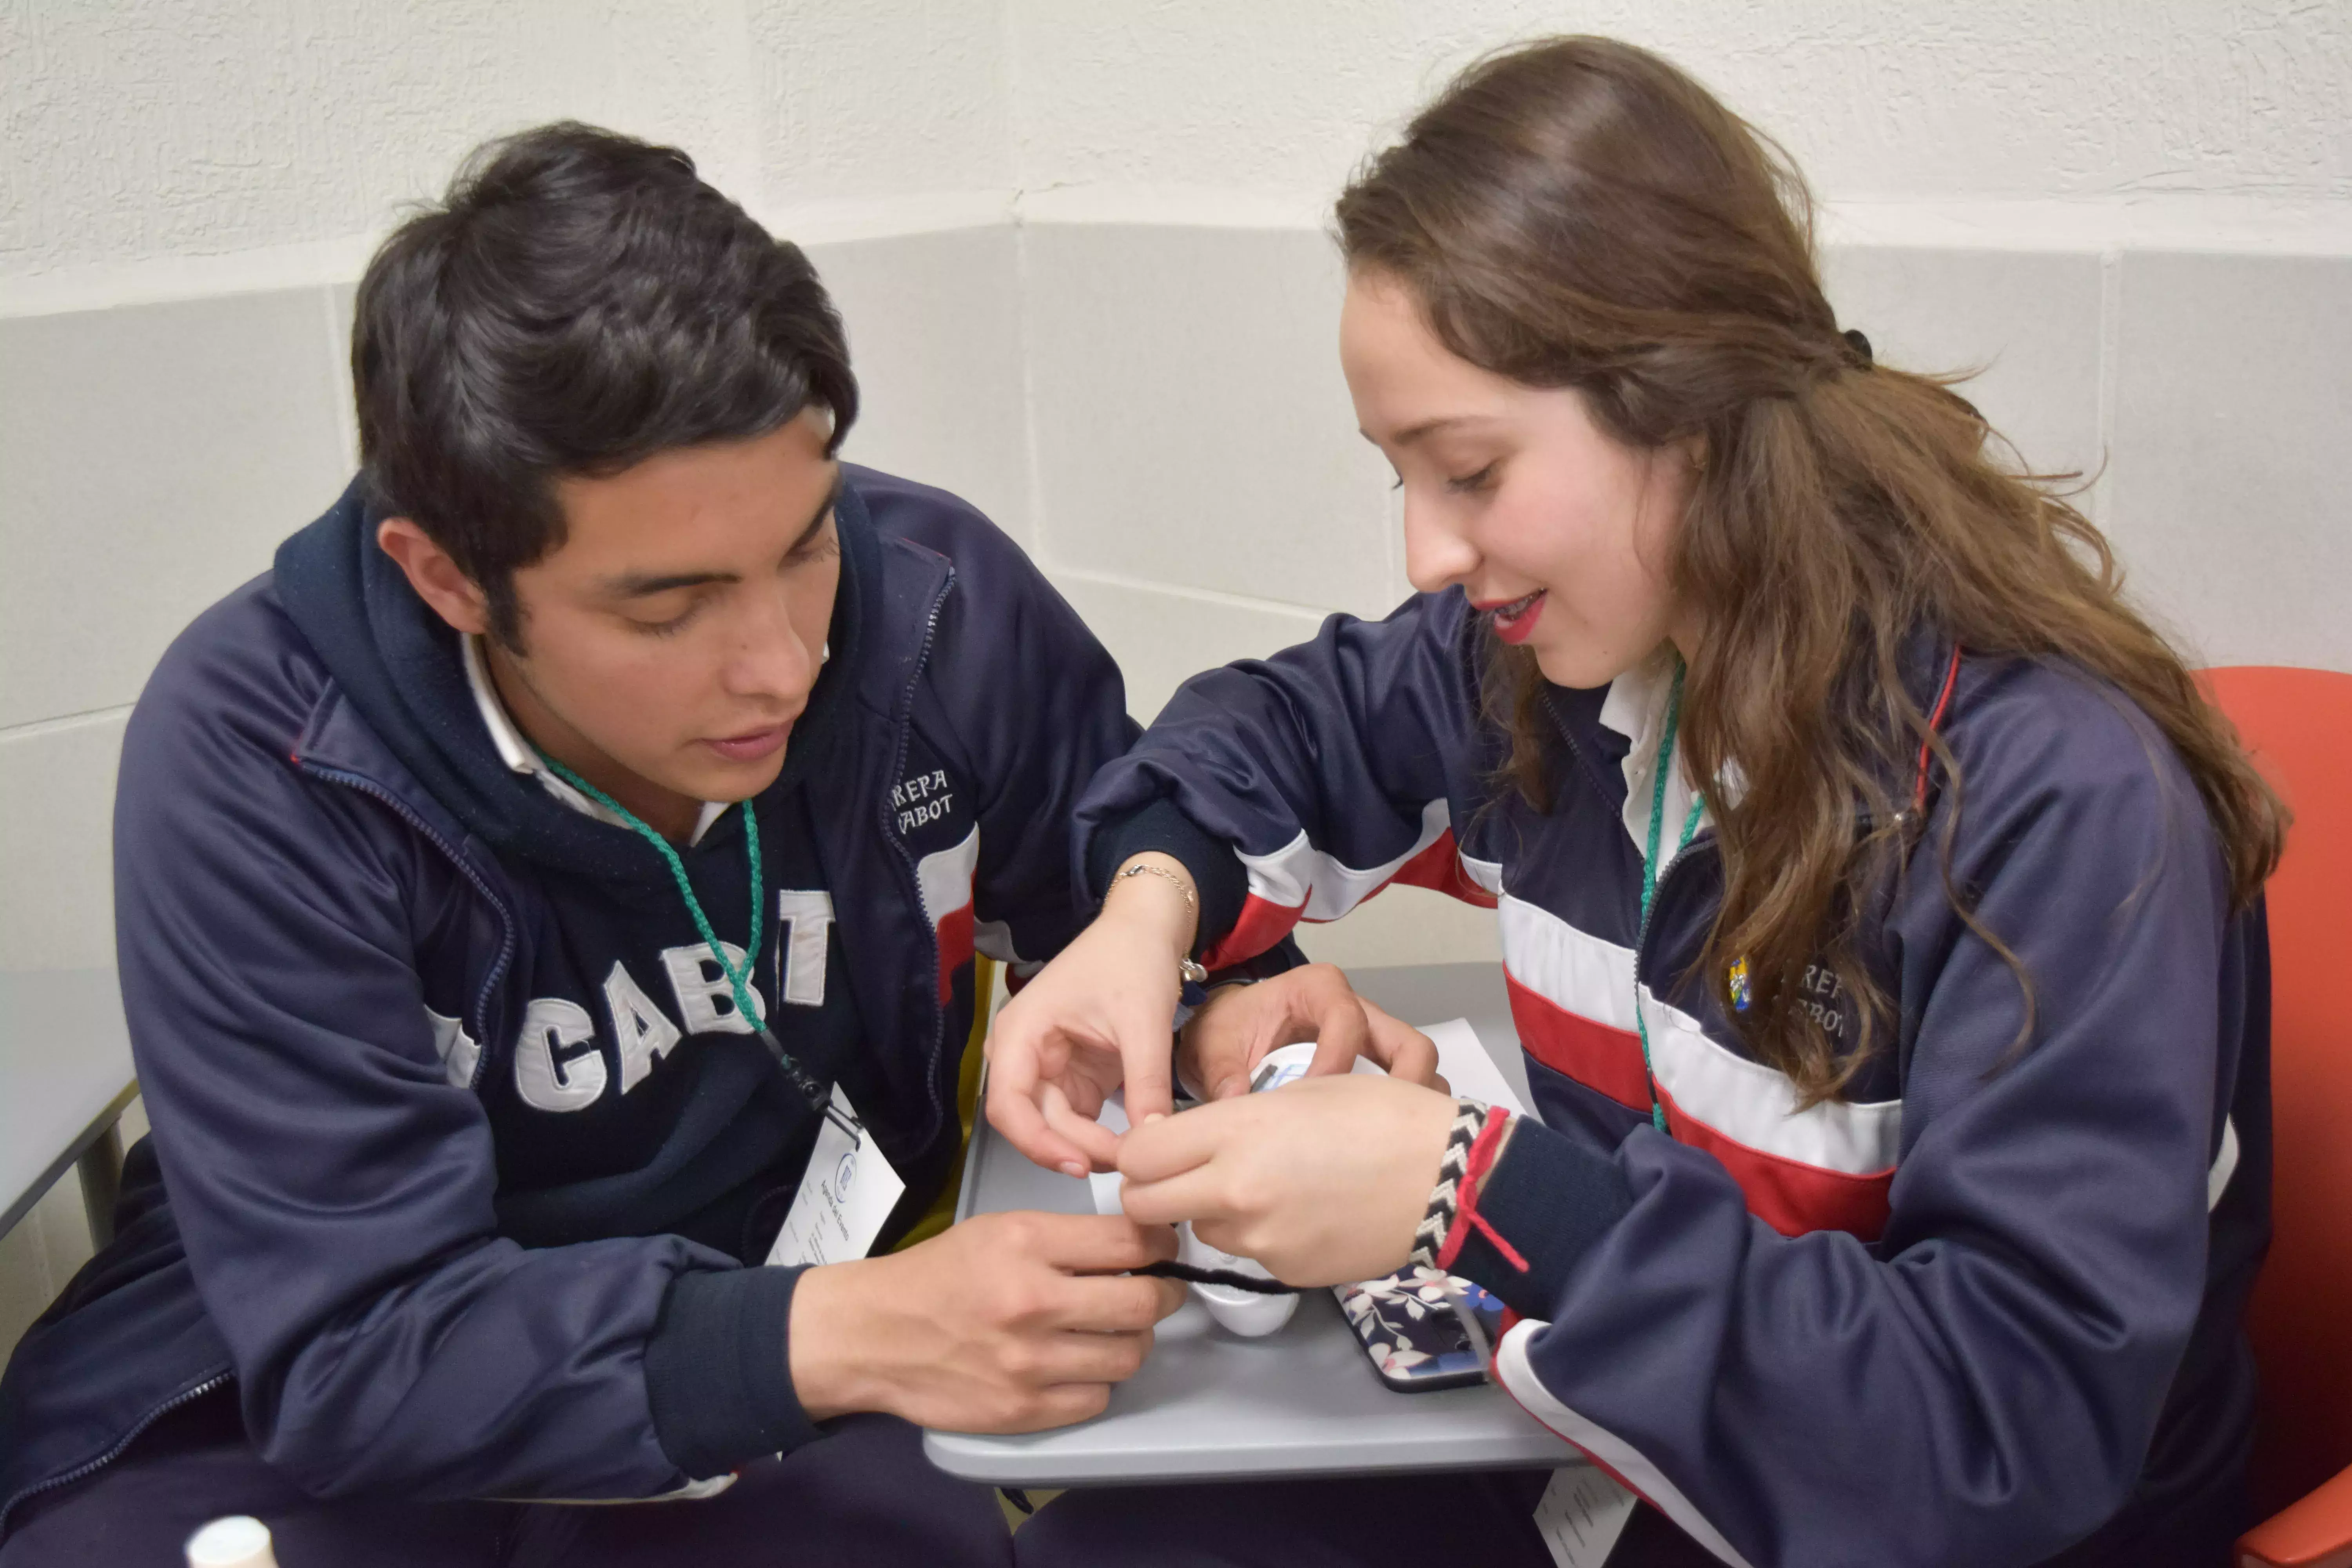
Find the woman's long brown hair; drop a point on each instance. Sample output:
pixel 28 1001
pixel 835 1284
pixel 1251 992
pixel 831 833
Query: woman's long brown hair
pixel 1579 212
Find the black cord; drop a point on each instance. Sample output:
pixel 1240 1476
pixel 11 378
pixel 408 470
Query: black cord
pixel 1192 1276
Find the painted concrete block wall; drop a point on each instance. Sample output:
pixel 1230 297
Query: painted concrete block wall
pixel 147 130
pixel 2232 401
pixel 2006 98
pixel 935 335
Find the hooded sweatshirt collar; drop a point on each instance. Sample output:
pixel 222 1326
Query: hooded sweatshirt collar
pixel 403 669
pixel 521 756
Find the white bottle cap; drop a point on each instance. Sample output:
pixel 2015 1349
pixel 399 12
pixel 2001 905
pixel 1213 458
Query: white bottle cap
pixel 241 1541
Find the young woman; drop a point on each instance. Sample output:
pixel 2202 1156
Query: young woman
pixel 1879 897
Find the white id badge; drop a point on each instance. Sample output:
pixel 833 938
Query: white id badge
pixel 1582 1513
pixel 847 1193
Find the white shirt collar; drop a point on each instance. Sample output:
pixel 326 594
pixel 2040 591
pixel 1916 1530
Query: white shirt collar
pixel 523 757
pixel 1636 708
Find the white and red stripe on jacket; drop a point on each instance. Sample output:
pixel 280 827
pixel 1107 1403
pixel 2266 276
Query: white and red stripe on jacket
pixel 1826 1167
pixel 1299 882
pixel 945 877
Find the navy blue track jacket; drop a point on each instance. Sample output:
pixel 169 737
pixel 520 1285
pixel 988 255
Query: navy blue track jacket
pixel 338 917
pixel 1980 1309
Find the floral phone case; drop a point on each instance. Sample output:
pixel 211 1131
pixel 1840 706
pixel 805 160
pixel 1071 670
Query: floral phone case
pixel 1411 1328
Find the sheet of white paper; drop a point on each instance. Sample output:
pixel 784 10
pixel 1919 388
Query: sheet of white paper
pixel 1582 1513
pixel 1468 1067
pixel 847 1193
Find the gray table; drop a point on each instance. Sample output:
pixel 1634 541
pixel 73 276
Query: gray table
pixel 64 1077
pixel 1304 1401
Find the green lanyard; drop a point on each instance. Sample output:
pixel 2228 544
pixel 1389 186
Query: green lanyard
pixel 1650 872
pixel 817 1094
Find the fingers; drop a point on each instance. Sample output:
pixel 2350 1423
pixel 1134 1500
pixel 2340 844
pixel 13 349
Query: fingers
pixel 1014 1108
pixel 1089 1244
pixel 1029 1102
pixel 1024 1127
pixel 1097 1145
pixel 1171 1296
pixel 1212 1041
pixel 1324 999
pixel 1145 1052
pixel 1225 1039
pixel 1228 1236
pixel 1057 1407
pixel 1193 1194
pixel 1115 1303
pixel 1177 1143
pixel 1083 1358
pixel 1313 1003
pixel 1403 1050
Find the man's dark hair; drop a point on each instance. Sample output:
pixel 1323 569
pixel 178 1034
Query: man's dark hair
pixel 578 303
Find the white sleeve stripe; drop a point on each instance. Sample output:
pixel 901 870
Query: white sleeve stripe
pixel 1518 1380
pixel 1300 876
pixel 945 877
pixel 993 938
pixel 2225 1165
pixel 1487 874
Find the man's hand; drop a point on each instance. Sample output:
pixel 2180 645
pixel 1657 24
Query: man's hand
pixel 1226 1039
pixel 1096 1017
pixel 1008 1322
pixel 1323 1181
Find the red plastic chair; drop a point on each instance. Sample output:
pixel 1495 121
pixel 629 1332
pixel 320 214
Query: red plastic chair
pixel 2298 723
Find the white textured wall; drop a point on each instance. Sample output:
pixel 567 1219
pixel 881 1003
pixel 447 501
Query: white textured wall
pixel 177 128
pixel 1999 98
pixel 189 127
pixel 1079 247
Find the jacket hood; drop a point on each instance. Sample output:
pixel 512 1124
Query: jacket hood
pixel 403 669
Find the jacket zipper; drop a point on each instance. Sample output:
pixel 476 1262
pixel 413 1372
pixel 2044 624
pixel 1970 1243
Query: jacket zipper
pixel 1657 898
pixel 91 1467
pixel 906 856
pixel 367 786
pixel 1658 892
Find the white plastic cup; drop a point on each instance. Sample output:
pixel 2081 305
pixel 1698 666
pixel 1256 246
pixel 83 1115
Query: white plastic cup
pixel 237 1541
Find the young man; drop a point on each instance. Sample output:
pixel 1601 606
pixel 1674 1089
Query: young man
pixel 605 708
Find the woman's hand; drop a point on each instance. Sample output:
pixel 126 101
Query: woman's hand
pixel 1323 1181
pixel 1096 1017
pixel 1226 1039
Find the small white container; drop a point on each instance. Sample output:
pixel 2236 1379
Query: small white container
pixel 1238 1311
pixel 1245 1312
pixel 237 1541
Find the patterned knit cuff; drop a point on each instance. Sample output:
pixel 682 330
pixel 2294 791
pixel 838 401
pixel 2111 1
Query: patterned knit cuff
pixel 1470 1119
pixel 1469 1192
